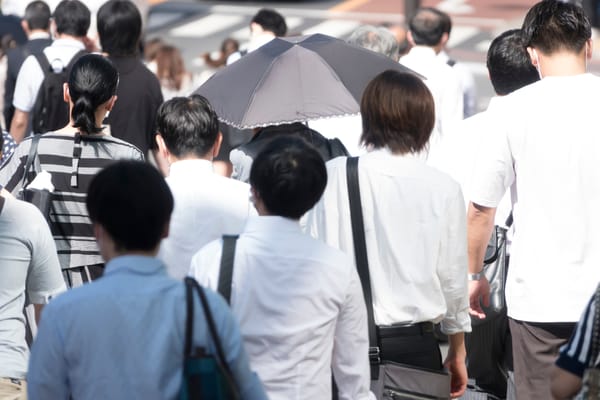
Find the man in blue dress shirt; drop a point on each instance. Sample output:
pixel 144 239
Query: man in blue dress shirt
pixel 122 336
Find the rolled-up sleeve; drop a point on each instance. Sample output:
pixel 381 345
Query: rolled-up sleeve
pixel 452 268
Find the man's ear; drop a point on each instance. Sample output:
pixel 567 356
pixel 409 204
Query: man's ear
pixel 217 146
pixel 165 233
pixel 589 48
pixel 444 39
pixel 533 56
pixel 111 102
pixel 410 38
pixel 162 146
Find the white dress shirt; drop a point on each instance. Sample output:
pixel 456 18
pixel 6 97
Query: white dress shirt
pixel 300 307
pixel 348 129
pixel 207 206
pixel 545 141
pixel 444 85
pixel 415 230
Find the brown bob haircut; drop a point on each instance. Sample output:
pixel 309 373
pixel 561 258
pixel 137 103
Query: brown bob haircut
pixel 397 112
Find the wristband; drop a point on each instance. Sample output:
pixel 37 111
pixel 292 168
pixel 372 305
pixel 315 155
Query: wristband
pixel 475 277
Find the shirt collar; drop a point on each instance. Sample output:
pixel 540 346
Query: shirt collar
pixel 67 42
pixel 271 223
pixel 39 35
pixel 422 51
pixel 136 265
pixel 194 166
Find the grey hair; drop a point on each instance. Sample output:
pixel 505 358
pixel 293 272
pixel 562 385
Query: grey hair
pixel 377 39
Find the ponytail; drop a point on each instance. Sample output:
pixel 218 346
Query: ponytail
pixel 84 116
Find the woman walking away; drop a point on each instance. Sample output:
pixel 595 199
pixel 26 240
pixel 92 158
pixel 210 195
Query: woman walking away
pixel 72 155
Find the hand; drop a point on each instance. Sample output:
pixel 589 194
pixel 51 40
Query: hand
pixel 479 293
pixel 458 371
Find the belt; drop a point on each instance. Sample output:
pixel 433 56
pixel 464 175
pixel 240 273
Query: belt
pixel 14 381
pixel 417 329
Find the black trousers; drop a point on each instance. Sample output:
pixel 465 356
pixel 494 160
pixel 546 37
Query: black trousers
pixel 415 345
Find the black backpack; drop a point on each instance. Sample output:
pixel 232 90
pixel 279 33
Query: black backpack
pixel 50 112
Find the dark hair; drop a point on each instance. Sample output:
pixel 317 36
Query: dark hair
pixel 93 81
pixel 132 202
pixel 289 175
pixel 428 26
pixel 509 64
pixel 188 125
pixel 72 17
pixel 397 112
pixel 271 21
pixel 37 15
pixel 119 27
pixel 553 25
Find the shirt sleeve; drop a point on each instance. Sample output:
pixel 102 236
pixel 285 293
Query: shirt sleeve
pixel 351 368
pixel 574 356
pixel 44 278
pixel 241 165
pixel 248 383
pixel 47 374
pixel 494 172
pixel 28 84
pixel 452 268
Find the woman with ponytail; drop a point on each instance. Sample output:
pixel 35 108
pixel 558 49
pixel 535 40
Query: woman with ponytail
pixel 72 156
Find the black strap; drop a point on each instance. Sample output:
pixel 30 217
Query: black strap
pixel 30 160
pixel 44 62
pixel 509 220
pixel 360 254
pixel 226 269
pixel 190 285
pixel 2 200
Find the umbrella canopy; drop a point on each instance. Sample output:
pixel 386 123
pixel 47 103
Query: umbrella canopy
pixel 294 79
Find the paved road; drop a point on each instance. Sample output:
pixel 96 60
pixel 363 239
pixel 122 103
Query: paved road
pixel 200 26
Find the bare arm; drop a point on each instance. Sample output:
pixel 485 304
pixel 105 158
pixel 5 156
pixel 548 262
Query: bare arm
pixel 18 125
pixel 455 363
pixel 480 222
pixel 564 384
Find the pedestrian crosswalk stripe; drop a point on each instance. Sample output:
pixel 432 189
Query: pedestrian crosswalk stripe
pixel 208 25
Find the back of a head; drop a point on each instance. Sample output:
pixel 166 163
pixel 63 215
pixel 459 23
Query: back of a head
pixel 289 175
pixel 271 21
pixel 37 15
pixel 170 67
pixel 553 25
pixel 377 39
pixel 188 126
pixel 72 18
pixel 119 26
pixel 397 112
pixel 92 82
pixel 509 63
pixel 427 27
pixel 132 202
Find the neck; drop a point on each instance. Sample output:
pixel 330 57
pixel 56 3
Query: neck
pixel 562 63
pixel 65 36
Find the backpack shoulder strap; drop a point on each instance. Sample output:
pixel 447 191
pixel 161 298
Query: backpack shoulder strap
pixel 43 61
pixel 74 59
pixel 30 159
pixel 226 269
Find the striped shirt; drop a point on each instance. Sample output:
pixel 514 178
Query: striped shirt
pixel 72 160
pixel 575 356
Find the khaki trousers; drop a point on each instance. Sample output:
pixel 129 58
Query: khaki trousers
pixel 13 389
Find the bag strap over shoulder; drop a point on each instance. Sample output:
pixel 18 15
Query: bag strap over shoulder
pixel 360 254
pixel 192 285
pixel 226 269
pixel 44 63
pixel 31 157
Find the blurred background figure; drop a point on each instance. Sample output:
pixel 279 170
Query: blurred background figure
pixel 228 47
pixel 174 78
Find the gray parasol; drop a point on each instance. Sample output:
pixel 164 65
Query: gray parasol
pixel 294 79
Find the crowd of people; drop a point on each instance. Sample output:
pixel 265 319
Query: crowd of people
pixel 93 302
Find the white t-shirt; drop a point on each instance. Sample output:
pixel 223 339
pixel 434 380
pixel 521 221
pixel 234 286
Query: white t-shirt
pixel 545 141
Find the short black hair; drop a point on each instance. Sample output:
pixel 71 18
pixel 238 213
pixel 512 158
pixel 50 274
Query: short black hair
pixel 271 21
pixel 188 125
pixel 119 27
pixel 72 17
pixel 37 15
pixel 132 202
pixel 509 63
pixel 428 26
pixel 289 175
pixel 553 25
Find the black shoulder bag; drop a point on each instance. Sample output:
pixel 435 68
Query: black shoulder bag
pixel 41 198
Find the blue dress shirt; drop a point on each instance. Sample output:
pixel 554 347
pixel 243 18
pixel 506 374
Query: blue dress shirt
pixel 122 337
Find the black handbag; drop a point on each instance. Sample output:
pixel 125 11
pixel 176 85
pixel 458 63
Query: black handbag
pixel 41 198
pixel 205 376
pixel 389 380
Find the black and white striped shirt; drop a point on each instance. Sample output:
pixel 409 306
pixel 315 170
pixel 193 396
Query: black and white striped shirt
pixel 72 160
pixel 575 355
